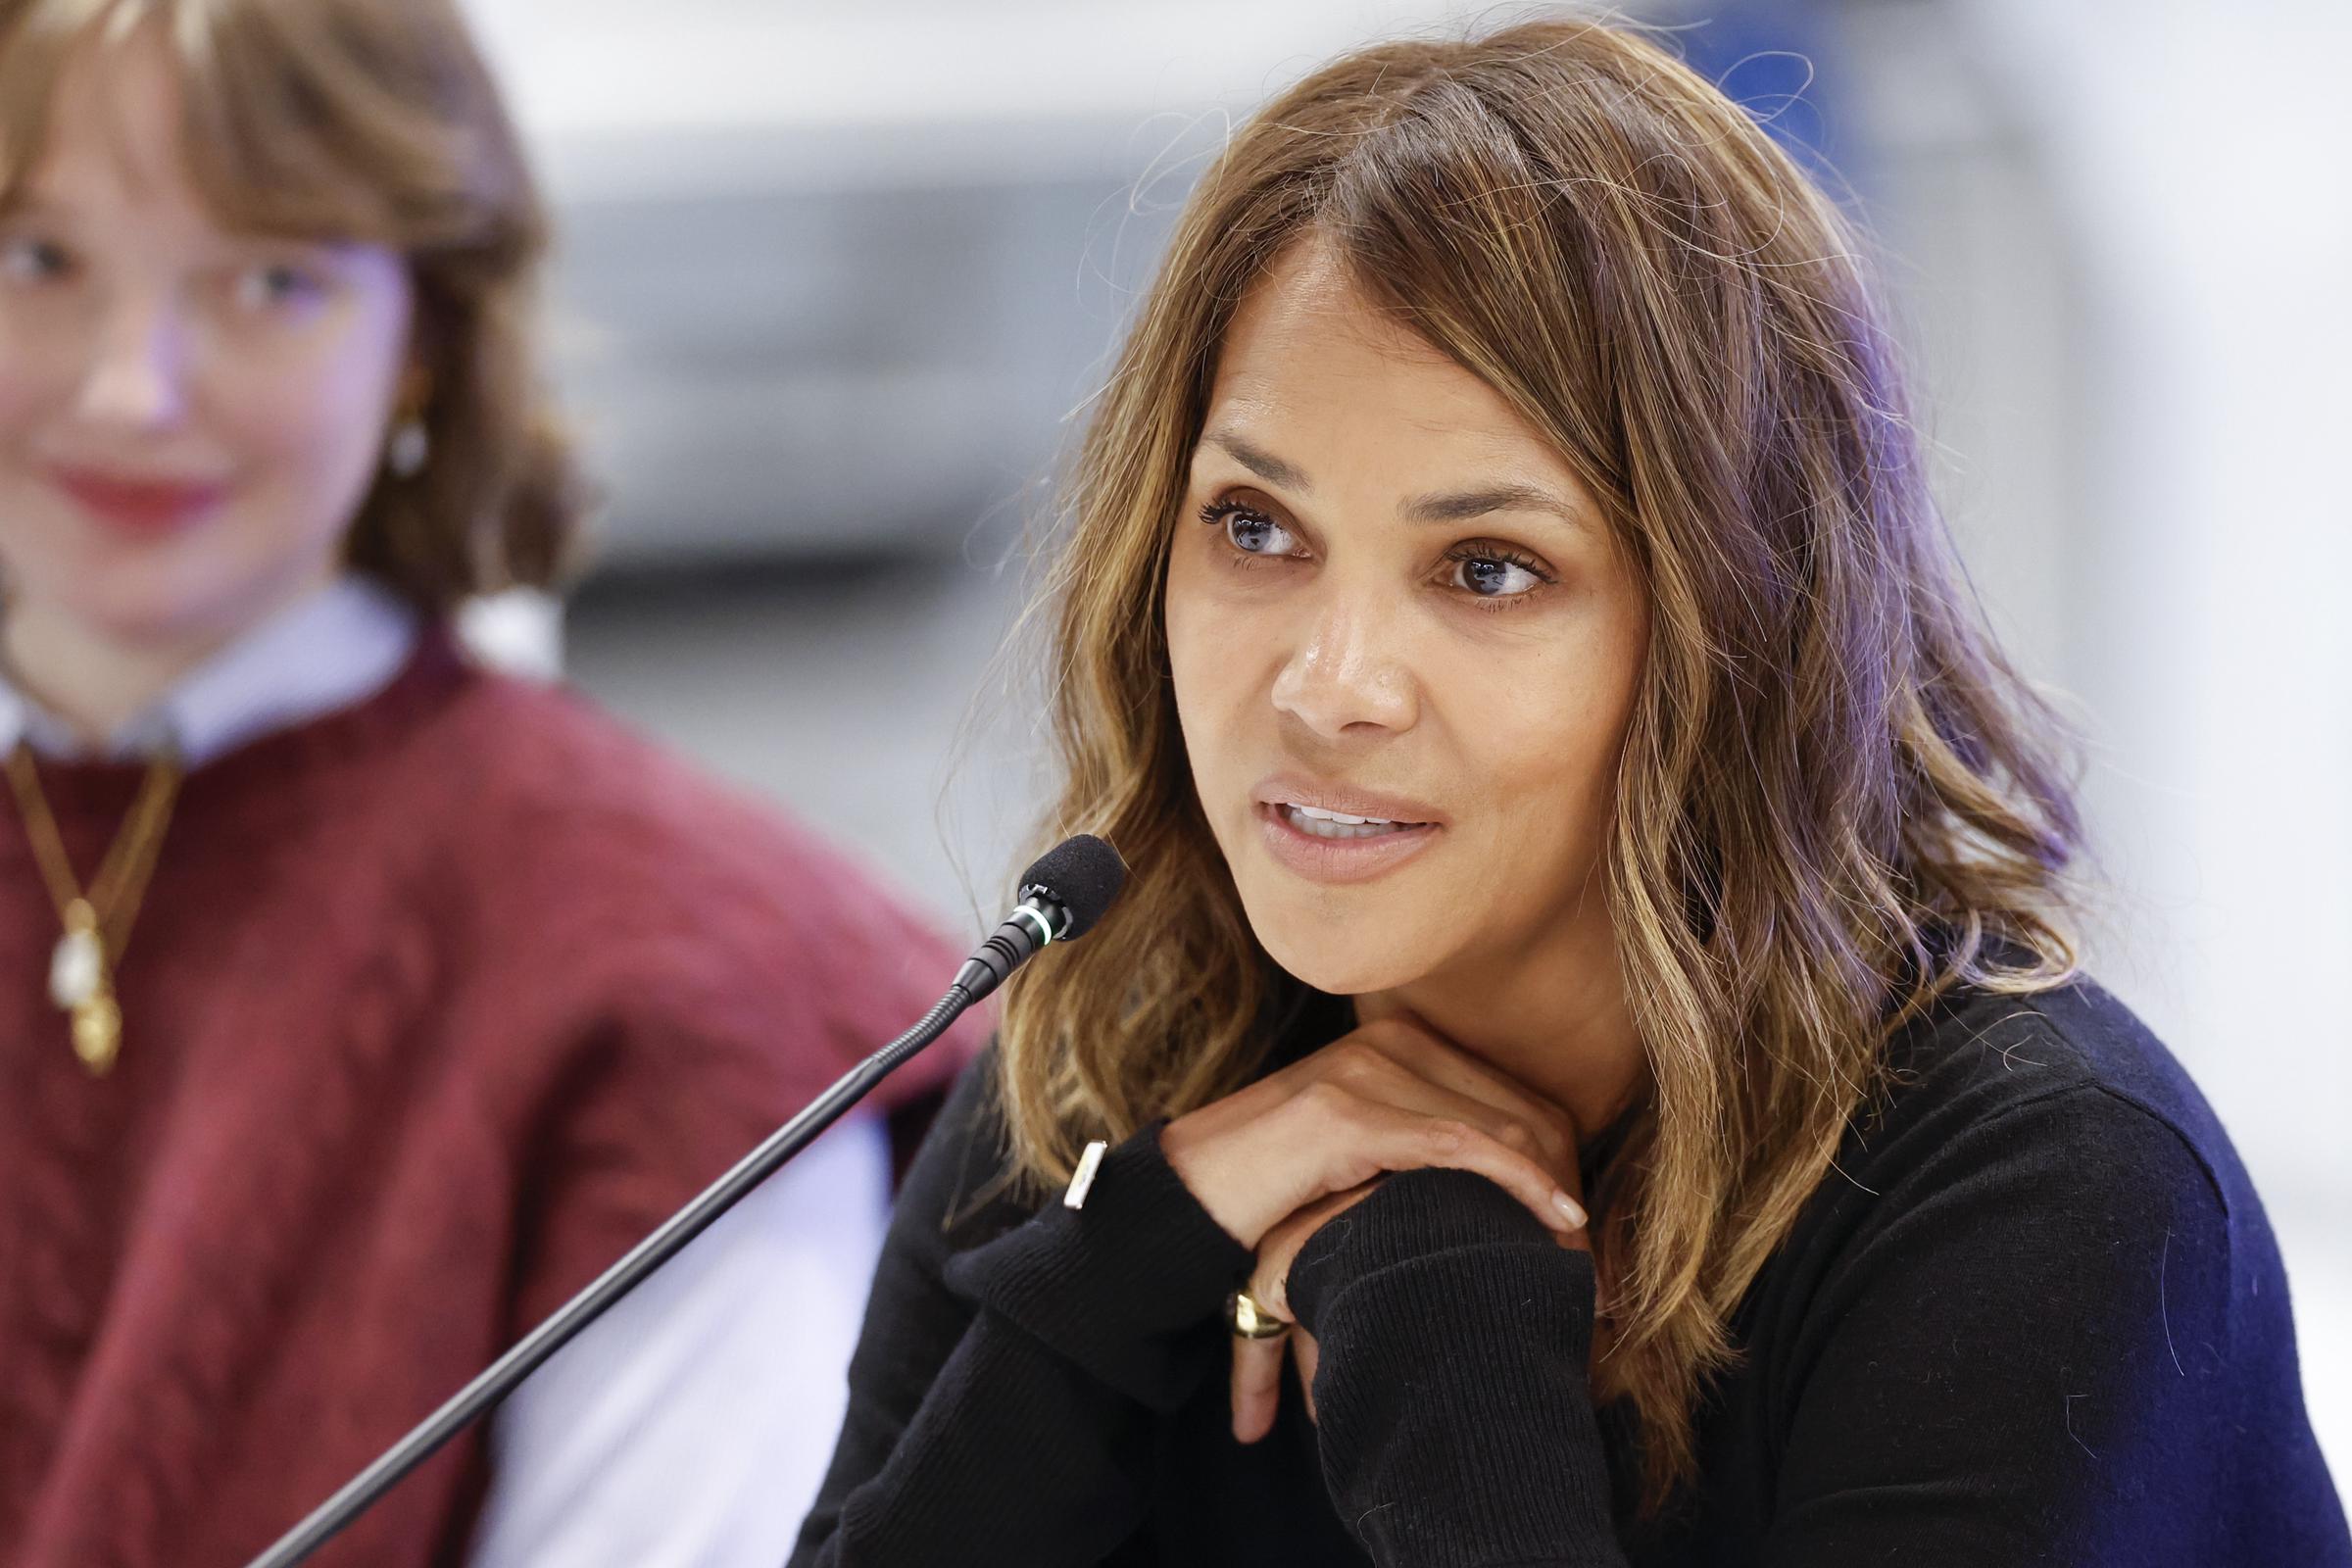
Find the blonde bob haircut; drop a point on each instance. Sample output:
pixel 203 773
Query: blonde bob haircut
pixel 1836 801
pixel 368 122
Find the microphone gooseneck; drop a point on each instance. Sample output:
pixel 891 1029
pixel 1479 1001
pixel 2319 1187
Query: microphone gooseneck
pixel 1061 896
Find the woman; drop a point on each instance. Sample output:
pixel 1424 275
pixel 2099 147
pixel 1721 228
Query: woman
pixel 361 1006
pixel 1505 631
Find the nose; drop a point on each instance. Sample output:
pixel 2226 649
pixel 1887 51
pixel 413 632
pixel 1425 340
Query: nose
pixel 137 373
pixel 1348 677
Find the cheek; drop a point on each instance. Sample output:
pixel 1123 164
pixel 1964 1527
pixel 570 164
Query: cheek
pixel 1547 742
pixel 35 383
pixel 19 392
pixel 307 412
pixel 1219 656
pixel 41 540
pixel 1207 636
pixel 311 432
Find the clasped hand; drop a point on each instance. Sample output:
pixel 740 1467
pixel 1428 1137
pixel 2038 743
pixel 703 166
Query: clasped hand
pixel 1274 1162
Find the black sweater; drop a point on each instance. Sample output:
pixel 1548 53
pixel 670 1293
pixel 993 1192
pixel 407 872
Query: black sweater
pixel 2034 1316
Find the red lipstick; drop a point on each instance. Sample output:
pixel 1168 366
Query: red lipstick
pixel 138 505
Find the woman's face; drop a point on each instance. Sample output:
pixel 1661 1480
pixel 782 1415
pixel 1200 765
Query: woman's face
pixel 1404 648
pixel 189 415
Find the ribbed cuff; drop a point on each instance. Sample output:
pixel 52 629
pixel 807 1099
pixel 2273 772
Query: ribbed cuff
pixel 1130 1287
pixel 1457 1421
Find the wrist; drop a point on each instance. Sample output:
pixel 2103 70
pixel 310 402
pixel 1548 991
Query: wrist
pixel 1415 1216
pixel 1126 1287
pixel 1194 1167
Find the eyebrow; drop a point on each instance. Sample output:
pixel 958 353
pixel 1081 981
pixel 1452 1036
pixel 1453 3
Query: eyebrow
pixel 1264 465
pixel 1464 505
pixel 1460 505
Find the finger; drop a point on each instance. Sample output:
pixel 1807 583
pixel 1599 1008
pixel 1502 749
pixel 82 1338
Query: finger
pixel 1407 1066
pixel 1404 1088
pixel 1304 1356
pixel 1414 1046
pixel 1270 1272
pixel 1256 1386
pixel 1373 1137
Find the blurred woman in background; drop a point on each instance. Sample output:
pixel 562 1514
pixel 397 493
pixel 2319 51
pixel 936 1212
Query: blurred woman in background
pixel 1595 972
pixel 360 1006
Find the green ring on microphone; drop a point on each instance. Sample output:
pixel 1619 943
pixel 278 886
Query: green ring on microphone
pixel 1045 927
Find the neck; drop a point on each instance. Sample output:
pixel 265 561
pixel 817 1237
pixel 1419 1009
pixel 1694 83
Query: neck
pixel 1552 1015
pixel 96 682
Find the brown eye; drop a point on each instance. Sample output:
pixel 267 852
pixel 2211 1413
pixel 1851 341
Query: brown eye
pixel 27 260
pixel 276 285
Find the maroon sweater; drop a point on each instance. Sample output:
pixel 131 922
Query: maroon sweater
pixel 435 1007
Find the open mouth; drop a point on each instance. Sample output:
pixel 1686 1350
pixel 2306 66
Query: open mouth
pixel 1338 831
pixel 1317 823
pixel 1326 845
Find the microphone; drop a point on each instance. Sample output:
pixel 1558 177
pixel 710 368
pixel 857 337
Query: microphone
pixel 1062 897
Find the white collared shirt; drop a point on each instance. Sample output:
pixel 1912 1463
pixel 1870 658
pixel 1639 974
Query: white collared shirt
pixel 646 1443
pixel 337 646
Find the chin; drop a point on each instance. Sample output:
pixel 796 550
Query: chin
pixel 207 588
pixel 1341 957
pixel 135 611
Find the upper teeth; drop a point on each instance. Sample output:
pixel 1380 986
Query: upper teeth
pixel 1339 816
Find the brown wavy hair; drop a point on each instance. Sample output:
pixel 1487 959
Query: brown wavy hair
pixel 375 121
pixel 1834 793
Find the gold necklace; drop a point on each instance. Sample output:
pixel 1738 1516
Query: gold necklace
pixel 81 970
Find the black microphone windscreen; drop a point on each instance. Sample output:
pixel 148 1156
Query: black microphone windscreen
pixel 1082 874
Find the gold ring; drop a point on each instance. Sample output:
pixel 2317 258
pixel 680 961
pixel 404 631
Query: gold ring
pixel 1249 1320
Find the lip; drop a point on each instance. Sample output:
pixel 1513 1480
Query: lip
pixel 1297 789
pixel 139 504
pixel 1342 860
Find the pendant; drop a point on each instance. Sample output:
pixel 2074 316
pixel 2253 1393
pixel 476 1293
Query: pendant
pixel 77 984
pixel 98 1033
pixel 77 968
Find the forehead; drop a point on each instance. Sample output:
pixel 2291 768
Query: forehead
pixel 123 129
pixel 113 132
pixel 1310 361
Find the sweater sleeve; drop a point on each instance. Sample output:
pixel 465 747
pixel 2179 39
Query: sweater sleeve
pixel 1003 1394
pixel 1456 1425
pixel 2058 1334
pixel 2057 1338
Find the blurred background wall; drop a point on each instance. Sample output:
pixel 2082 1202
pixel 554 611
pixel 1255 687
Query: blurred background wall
pixel 837 280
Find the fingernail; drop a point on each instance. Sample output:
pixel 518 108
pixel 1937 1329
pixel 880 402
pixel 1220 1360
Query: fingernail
pixel 1570 1210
